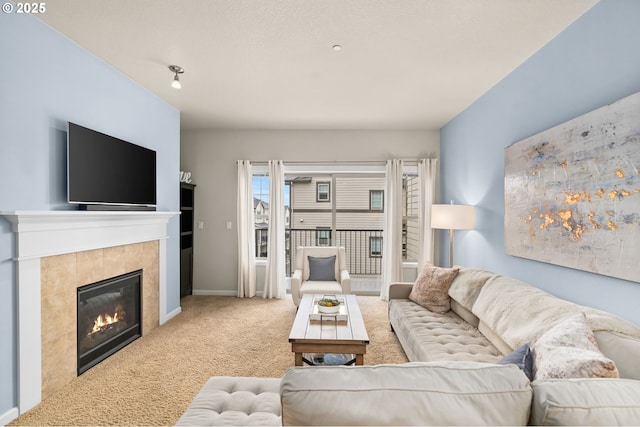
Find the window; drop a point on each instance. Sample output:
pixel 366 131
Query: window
pixel 323 237
pixel 262 235
pixel 375 247
pixel 261 212
pixel 410 224
pixel 404 240
pixel 261 200
pixel 346 219
pixel 323 192
pixel 376 200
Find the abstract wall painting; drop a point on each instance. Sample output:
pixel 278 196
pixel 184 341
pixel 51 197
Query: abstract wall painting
pixel 572 193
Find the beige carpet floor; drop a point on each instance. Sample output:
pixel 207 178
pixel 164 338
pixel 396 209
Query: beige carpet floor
pixel 152 381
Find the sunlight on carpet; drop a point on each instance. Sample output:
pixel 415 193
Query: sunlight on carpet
pixel 152 381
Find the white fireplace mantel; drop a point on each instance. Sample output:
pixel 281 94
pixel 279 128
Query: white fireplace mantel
pixel 47 233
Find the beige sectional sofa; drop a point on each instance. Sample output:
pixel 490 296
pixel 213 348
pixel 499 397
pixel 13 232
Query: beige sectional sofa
pixel 454 377
pixel 491 315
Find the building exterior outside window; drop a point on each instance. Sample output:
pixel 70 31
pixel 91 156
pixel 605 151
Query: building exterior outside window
pixel 353 215
pixel 353 218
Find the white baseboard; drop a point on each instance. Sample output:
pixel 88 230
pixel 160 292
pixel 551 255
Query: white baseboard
pixel 227 293
pixel 221 293
pixel 173 314
pixel 9 416
pixel 215 293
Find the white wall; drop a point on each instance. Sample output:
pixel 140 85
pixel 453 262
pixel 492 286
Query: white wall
pixel 211 156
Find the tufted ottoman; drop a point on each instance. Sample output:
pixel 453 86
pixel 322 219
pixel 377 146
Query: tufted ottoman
pixel 235 401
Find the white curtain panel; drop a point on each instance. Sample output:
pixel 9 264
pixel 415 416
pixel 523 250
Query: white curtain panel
pixel 274 286
pixel 392 242
pixel 246 232
pixel 427 175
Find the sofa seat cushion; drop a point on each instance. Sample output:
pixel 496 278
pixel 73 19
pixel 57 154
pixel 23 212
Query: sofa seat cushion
pixel 320 287
pixel 426 336
pixel 235 401
pixel 438 393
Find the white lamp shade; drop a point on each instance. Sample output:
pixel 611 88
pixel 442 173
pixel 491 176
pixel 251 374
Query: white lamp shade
pixel 452 217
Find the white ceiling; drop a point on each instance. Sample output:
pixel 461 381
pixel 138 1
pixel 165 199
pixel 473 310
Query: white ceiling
pixel 269 64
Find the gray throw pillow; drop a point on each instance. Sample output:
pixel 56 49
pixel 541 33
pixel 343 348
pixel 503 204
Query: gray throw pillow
pixel 522 358
pixel 322 269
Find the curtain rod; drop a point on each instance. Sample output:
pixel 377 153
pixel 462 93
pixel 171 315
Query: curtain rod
pixel 344 162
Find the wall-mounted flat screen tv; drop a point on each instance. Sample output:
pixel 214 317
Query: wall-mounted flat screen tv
pixel 104 171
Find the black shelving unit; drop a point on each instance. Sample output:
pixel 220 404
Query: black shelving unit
pixel 187 211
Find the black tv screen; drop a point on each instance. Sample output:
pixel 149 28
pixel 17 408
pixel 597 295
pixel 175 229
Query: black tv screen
pixel 103 170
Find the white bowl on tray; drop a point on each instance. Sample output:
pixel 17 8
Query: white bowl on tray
pixel 328 305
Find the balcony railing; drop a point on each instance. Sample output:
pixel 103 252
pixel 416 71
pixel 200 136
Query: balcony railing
pixel 363 248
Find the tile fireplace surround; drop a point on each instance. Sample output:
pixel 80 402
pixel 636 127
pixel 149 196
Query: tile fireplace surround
pixel 58 251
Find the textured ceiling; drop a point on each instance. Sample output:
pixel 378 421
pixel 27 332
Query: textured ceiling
pixel 267 64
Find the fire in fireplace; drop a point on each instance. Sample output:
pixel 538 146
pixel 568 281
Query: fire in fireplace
pixel 109 317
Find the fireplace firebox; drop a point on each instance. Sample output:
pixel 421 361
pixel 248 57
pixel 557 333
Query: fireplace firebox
pixel 109 317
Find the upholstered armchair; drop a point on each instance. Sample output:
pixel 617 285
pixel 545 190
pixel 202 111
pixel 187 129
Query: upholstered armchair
pixel 320 270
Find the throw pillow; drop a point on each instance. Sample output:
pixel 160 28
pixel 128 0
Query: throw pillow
pixel 570 350
pixel 522 358
pixel 431 289
pixel 322 269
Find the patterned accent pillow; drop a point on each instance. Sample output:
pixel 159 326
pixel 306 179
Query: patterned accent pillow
pixel 431 289
pixel 570 350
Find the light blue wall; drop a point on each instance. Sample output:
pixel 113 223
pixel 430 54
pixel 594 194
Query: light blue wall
pixel 592 63
pixel 46 81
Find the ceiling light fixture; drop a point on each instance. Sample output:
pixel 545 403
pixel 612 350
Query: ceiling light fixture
pixel 176 80
pixel 336 47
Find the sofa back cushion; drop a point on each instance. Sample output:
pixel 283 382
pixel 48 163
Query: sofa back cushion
pixel 623 350
pixel 466 286
pixel 519 313
pixel 495 339
pixel 585 401
pixel 431 393
pixel 464 313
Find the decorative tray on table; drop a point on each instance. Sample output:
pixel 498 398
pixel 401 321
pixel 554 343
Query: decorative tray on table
pixel 330 308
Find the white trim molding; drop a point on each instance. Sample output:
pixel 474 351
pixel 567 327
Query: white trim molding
pixel 8 416
pixel 47 233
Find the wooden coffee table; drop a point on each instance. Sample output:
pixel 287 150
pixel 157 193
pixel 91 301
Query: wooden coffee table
pixel 328 336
